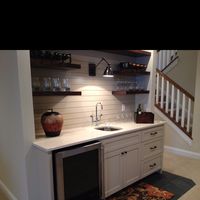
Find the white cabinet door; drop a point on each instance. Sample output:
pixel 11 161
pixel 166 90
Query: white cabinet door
pixel 131 165
pixel 113 172
pixel 122 167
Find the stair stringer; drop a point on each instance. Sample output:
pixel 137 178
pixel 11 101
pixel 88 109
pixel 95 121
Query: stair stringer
pixel 172 125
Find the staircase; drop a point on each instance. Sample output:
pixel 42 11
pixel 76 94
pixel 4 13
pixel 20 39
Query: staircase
pixel 171 99
pixel 167 60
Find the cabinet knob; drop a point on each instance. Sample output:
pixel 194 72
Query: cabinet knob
pixel 154 133
pixel 122 153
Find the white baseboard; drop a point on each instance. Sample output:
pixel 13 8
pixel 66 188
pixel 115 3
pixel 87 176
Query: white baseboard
pixel 177 130
pixel 182 152
pixel 6 191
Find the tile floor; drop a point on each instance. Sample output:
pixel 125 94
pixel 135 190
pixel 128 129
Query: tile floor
pixel 179 165
pixel 2 197
pixel 186 167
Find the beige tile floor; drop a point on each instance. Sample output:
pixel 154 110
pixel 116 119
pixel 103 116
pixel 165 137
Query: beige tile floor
pixel 186 167
pixel 179 165
pixel 2 197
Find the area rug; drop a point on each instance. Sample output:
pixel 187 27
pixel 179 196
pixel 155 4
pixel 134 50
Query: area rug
pixel 165 186
pixel 142 191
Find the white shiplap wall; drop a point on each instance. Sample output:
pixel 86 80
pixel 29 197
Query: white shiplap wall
pixel 76 110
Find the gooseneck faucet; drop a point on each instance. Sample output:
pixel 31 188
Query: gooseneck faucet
pixel 97 118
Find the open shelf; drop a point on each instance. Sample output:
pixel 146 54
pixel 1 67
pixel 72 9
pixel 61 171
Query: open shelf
pixel 132 53
pixel 129 72
pixel 49 64
pixel 56 93
pixel 129 92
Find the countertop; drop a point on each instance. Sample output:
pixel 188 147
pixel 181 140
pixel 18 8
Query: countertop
pixel 70 137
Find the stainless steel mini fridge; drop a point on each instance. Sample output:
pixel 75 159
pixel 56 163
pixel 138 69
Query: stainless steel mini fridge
pixel 77 172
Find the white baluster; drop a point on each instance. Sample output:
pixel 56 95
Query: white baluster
pixel 162 92
pixel 175 53
pixel 172 102
pixel 188 115
pixel 167 57
pixel 183 111
pixel 164 59
pixel 157 87
pixel 159 60
pixel 177 104
pixel 167 97
pixel 172 54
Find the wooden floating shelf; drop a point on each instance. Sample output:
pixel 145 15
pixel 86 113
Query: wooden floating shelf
pixel 49 64
pixel 56 93
pixel 128 72
pixel 124 92
pixel 132 53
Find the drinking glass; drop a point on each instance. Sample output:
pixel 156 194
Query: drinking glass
pixel 46 84
pixel 56 85
pixel 65 84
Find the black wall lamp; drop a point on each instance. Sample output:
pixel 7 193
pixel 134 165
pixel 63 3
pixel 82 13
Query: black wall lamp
pixel 107 72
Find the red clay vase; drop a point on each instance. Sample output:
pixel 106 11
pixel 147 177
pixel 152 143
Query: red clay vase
pixel 52 123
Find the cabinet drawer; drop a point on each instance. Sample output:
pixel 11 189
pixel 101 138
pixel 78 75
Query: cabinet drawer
pixel 152 148
pixel 151 165
pixel 120 142
pixel 152 133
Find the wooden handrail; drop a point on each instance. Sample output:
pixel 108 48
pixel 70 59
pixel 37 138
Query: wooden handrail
pixel 175 84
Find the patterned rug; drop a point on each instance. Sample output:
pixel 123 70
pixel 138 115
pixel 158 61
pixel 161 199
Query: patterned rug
pixel 165 186
pixel 142 191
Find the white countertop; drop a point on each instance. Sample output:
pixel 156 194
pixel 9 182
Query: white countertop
pixel 70 137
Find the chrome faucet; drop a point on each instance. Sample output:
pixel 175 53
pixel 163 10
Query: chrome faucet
pixel 97 118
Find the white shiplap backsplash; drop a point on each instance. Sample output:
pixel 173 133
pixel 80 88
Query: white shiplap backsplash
pixel 76 110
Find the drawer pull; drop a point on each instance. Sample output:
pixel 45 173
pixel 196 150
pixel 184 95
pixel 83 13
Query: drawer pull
pixel 152 148
pixel 124 152
pixel 153 165
pixel 154 133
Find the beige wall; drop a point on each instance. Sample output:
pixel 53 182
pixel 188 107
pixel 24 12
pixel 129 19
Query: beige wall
pixel 76 110
pixel 196 124
pixel 171 137
pixel 16 121
pixel 184 73
pixel 17 166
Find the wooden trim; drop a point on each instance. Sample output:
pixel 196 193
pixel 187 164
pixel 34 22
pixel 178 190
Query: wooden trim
pixel 129 72
pixel 52 64
pixel 175 84
pixel 174 121
pixel 56 93
pixel 169 64
pixel 132 53
pixel 124 92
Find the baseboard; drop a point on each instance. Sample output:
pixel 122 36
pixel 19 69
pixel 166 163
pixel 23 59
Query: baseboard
pixel 6 191
pixel 171 124
pixel 182 152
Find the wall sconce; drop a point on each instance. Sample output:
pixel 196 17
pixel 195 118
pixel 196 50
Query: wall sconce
pixel 107 72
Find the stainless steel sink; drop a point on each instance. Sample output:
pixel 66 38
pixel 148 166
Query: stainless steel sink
pixel 108 128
